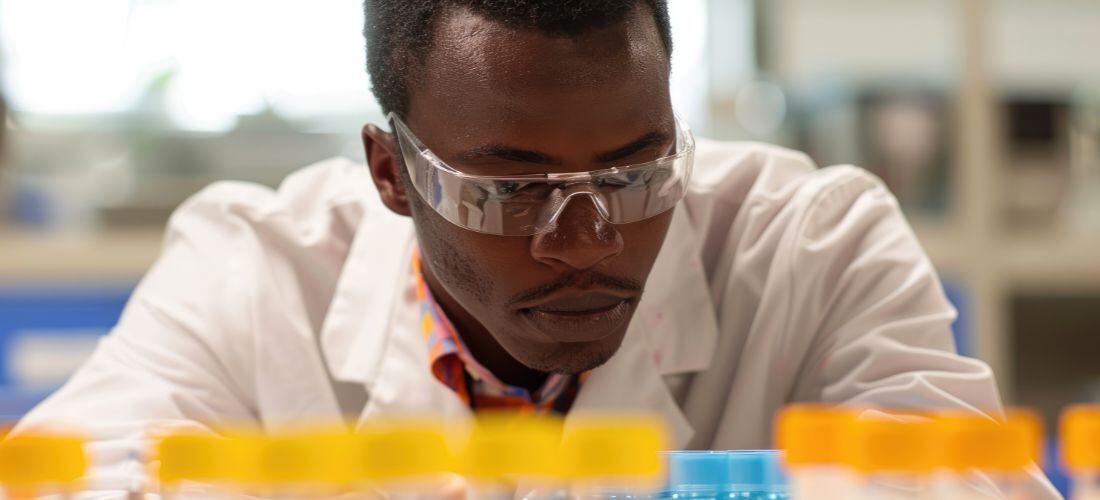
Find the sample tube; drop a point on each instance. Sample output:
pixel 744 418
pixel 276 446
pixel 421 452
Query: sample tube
pixel 515 456
pixel 297 464
pixel 812 438
pixel 393 460
pixel 1000 450
pixel 1081 450
pixel 748 474
pixel 42 465
pixel 892 457
pixel 406 459
pixel 204 465
pixel 614 456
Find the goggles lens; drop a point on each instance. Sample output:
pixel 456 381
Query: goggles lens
pixel 529 204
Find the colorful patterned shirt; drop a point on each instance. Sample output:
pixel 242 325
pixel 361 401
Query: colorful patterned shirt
pixel 454 366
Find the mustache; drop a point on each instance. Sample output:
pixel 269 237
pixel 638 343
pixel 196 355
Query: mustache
pixel 582 280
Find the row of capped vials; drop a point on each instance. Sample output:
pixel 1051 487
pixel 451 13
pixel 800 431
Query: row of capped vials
pixel 497 456
pixel 824 453
pixel 842 453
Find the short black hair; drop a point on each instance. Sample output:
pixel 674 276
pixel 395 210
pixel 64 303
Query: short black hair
pixel 404 27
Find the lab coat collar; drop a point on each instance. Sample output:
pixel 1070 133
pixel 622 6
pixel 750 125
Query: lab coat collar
pixel 370 335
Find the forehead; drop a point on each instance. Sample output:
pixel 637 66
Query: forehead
pixel 480 70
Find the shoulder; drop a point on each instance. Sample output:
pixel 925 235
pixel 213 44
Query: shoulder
pixel 306 205
pixel 739 173
pixel 756 195
pixel 286 245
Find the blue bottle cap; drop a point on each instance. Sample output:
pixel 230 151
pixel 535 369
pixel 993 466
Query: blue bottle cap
pixel 716 472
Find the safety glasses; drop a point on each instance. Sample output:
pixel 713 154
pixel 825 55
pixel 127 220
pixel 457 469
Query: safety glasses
pixel 523 205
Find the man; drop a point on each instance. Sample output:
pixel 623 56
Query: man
pixel 535 182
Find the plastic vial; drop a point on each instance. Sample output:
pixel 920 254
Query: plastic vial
pixel 297 465
pixel 892 457
pixel 197 465
pixel 41 466
pixel 748 474
pixel 812 438
pixel 613 457
pixel 1000 450
pixel 409 459
pixel 1081 450
pixel 510 455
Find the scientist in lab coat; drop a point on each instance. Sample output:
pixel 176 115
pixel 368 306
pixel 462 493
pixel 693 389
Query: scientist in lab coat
pixel 538 230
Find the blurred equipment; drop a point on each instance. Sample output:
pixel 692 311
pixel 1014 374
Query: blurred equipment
pixel 899 132
pixel 46 333
pixel 1036 132
pixel 1084 201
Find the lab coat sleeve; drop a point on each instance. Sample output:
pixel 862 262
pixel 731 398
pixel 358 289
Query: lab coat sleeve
pixel 176 357
pixel 870 298
pixel 881 323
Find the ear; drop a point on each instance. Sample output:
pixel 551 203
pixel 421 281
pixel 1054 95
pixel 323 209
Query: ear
pixel 380 147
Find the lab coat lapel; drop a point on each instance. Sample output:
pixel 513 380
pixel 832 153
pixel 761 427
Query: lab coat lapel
pixel 356 327
pixel 370 335
pixel 404 384
pixel 674 331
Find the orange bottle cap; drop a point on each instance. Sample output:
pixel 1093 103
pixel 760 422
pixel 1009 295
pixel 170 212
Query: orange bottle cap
pixel 970 441
pixel 813 434
pixel 883 443
pixel 1081 437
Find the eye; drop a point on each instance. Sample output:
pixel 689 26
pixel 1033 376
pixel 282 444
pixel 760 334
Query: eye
pixel 630 179
pixel 516 190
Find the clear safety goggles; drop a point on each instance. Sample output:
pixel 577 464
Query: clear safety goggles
pixel 523 205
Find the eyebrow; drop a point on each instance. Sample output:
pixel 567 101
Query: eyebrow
pixel 508 153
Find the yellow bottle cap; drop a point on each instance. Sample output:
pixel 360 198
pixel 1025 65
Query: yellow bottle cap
pixel 508 446
pixel 38 459
pixel 623 447
pixel 1081 437
pixel 881 443
pixel 197 457
pixel 813 434
pixel 969 441
pixel 396 450
pixel 307 457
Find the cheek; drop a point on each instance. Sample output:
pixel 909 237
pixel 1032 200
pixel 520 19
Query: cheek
pixel 642 240
pixel 469 264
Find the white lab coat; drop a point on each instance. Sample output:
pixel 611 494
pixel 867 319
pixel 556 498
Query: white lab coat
pixel 777 283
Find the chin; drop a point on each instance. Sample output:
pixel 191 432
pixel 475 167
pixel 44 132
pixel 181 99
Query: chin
pixel 576 358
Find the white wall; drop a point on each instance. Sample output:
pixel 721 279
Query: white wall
pixel 1032 43
pixel 1047 43
pixel 815 39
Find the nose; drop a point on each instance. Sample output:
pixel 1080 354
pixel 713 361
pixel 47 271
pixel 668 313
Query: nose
pixel 579 239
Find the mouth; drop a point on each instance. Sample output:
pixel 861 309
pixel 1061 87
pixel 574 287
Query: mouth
pixel 580 317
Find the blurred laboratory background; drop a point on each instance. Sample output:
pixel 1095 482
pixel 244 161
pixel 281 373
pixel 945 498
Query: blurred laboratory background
pixel 983 116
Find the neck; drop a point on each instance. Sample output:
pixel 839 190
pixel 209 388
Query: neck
pixel 481 344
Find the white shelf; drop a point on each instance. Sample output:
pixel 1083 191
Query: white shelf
pixel 1066 264
pixel 1026 263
